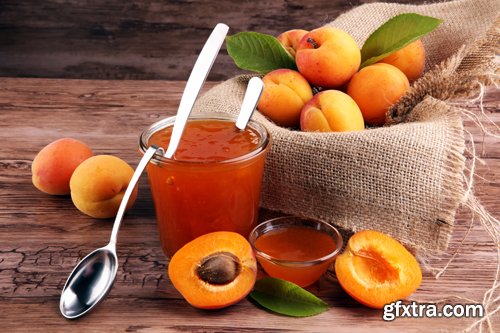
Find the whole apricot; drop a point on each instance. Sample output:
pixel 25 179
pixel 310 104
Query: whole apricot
pixel 98 185
pixel 375 89
pixel 215 270
pixel 290 40
pixel 285 93
pixel 328 57
pixel 375 269
pixel 53 166
pixel 331 111
pixel 410 60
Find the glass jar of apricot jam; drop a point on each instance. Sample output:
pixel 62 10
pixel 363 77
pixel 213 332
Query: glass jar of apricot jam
pixel 213 181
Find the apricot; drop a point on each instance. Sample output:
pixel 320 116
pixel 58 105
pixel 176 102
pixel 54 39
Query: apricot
pixel 328 57
pixel 98 185
pixel 375 89
pixel 331 111
pixel 53 166
pixel 410 60
pixel 375 269
pixel 215 270
pixel 290 40
pixel 285 93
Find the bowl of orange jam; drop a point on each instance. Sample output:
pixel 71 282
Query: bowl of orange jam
pixel 295 249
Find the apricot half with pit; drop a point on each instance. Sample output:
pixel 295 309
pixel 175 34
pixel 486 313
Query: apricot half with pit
pixel 375 269
pixel 214 270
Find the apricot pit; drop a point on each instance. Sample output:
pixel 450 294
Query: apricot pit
pixel 219 268
pixel 214 270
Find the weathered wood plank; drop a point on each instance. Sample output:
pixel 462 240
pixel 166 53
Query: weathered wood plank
pixel 42 237
pixel 139 39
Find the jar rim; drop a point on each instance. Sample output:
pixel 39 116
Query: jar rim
pixel 158 159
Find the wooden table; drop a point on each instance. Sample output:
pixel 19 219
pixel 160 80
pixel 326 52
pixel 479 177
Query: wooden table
pixel 42 237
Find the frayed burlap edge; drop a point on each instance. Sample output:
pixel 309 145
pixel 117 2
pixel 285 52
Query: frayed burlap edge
pixel 491 297
pixel 428 110
pixel 462 75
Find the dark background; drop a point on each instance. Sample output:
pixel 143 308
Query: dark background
pixel 139 39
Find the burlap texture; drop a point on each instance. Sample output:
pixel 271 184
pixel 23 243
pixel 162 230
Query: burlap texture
pixel 404 179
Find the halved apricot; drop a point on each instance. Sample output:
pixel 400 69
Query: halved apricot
pixel 375 269
pixel 214 270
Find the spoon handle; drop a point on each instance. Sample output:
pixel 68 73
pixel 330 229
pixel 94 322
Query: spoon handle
pixel 128 192
pixel 195 82
pixel 252 95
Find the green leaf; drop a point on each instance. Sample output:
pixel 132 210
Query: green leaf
pixel 286 298
pixel 395 34
pixel 258 52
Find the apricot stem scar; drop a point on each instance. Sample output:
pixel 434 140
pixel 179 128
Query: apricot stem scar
pixel 312 42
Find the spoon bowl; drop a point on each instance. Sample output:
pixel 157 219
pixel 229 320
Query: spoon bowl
pixel 91 280
pixel 84 288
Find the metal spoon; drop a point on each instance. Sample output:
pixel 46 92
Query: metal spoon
pixel 195 82
pixel 252 95
pixel 93 277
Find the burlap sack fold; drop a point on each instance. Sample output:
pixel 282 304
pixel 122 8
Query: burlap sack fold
pixel 404 179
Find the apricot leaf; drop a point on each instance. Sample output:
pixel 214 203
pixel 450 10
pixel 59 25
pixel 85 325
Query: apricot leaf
pixel 395 34
pixel 286 298
pixel 258 52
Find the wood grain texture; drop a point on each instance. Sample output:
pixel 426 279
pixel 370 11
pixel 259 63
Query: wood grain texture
pixel 139 39
pixel 42 237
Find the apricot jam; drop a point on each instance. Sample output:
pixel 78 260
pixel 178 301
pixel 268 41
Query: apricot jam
pixel 295 249
pixel 209 141
pixel 213 181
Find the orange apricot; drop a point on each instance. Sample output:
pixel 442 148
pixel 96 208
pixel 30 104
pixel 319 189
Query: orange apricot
pixel 290 40
pixel 327 57
pixel 53 166
pixel 375 89
pixel 410 60
pixel 98 185
pixel 331 111
pixel 375 269
pixel 285 93
pixel 215 270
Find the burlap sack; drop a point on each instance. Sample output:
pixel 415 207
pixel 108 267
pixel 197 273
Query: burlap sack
pixel 404 179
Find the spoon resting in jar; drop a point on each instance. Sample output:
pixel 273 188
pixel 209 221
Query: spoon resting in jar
pixel 252 95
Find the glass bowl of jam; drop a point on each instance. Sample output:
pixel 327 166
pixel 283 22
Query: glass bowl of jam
pixel 296 249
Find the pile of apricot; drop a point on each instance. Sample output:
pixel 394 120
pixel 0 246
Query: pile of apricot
pixel 219 269
pixel 96 183
pixel 329 59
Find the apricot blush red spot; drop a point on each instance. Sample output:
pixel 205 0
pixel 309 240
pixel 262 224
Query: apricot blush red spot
pixel 55 163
